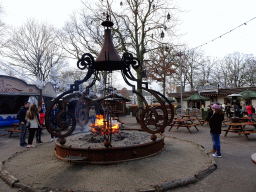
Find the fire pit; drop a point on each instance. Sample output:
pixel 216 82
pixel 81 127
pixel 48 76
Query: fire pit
pixel 125 146
pixel 99 127
pixel 107 144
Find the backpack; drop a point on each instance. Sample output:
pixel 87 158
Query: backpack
pixel 228 108
pixel 253 110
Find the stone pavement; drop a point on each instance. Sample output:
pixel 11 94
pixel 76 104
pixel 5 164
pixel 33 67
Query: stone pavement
pixel 235 171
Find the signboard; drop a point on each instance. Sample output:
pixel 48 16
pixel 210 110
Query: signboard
pixel 14 86
pixel 208 88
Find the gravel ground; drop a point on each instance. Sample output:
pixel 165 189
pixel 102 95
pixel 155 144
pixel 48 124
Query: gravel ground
pixel 235 171
pixel 41 170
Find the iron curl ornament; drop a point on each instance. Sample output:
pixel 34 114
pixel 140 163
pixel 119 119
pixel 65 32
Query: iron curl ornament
pixel 152 119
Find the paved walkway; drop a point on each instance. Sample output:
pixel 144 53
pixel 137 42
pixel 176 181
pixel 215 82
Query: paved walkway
pixel 235 172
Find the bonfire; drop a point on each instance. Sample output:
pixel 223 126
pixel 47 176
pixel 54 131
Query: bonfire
pixel 104 127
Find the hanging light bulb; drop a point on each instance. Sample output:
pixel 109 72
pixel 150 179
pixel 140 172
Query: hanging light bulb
pixel 168 16
pixel 162 34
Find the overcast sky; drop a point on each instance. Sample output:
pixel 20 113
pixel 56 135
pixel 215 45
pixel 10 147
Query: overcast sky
pixel 203 21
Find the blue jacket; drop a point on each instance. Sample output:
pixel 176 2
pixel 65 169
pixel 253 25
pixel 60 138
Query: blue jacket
pixel 53 113
pixel 22 114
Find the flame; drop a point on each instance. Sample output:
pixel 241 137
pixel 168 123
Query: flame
pixel 98 127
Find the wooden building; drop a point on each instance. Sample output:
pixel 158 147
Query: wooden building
pixel 213 92
pixel 14 92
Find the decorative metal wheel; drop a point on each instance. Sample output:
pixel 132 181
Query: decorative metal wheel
pixel 138 113
pixel 82 111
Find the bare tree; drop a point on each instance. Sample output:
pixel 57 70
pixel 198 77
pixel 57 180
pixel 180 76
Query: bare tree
pixel 205 70
pixel 235 67
pixel 82 33
pixel 34 47
pixel 251 71
pixel 3 32
pixel 193 62
pixel 139 24
pixel 161 65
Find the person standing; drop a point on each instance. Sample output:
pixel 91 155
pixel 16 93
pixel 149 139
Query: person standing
pixel 55 110
pixel 237 110
pixel 92 115
pixel 41 122
pixel 244 111
pixel 215 123
pixel 32 118
pixel 228 111
pixel 22 119
pixel 249 110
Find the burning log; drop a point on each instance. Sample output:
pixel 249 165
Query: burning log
pixel 104 127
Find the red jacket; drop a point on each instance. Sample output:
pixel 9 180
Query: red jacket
pixel 249 109
pixel 41 118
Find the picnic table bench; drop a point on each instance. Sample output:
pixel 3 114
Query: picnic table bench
pixel 188 123
pixel 14 129
pixel 240 128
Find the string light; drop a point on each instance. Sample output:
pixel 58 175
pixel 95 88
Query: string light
pixel 225 33
pixel 168 16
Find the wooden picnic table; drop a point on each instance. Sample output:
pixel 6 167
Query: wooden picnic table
pixel 188 123
pixel 246 119
pixel 240 128
pixel 14 129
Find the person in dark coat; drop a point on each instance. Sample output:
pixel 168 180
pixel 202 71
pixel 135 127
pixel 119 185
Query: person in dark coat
pixel 22 120
pixel 215 123
pixel 55 110
pixel 228 111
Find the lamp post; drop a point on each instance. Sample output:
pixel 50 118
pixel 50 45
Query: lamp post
pixel 234 102
pixel 181 87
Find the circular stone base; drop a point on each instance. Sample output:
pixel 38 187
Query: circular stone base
pixel 38 169
pixel 131 145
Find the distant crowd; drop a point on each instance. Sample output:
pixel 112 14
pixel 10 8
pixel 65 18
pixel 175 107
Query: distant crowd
pixel 237 110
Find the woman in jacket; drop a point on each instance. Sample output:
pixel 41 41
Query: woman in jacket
pixel 215 123
pixel 32 119
pixel 41 122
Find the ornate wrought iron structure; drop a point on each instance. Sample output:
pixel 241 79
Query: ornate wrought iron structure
pixel 152 119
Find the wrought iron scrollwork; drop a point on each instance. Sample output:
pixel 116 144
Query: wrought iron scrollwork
pixel 152 119
pixel 87 61
pixel 128 60
pixel 61 124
